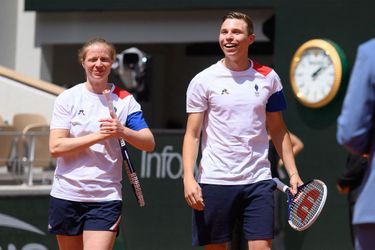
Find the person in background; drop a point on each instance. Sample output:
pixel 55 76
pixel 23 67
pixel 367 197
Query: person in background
pixel 350 180
pixel 86 200
pixel 355 131
pixel 230 103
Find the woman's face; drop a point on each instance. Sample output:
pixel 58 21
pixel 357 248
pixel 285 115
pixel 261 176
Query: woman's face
pixel 97 63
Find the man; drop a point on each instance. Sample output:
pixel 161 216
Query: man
pixel 356 132
pixel 350 180
pixel 230 103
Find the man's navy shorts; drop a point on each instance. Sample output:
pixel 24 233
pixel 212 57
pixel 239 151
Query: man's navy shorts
pixel 72 218
pixel 224 204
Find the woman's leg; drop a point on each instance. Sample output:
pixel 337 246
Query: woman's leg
pixel 70 242
pixel 98 240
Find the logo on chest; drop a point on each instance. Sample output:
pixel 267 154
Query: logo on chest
pixel 256 88
pixel 81 112
pixel 224 92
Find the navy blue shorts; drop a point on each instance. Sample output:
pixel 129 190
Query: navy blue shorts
pixel 72 218
pixel 253 204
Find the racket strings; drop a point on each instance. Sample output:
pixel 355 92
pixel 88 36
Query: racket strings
pixel 306 204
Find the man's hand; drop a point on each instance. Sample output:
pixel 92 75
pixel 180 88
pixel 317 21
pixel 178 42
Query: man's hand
pixel 343 189
pixel 294 182
pixel 193 194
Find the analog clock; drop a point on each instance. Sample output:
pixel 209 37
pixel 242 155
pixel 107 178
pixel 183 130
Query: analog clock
pixel 316 72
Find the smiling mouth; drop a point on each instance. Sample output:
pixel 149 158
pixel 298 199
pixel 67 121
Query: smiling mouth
pixel 98 72
pixel 229 45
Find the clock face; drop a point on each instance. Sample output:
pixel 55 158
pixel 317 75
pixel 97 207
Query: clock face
pixel 316 72
pixel 314 75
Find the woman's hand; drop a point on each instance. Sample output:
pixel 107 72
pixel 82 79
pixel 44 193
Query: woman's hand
pixel 111 127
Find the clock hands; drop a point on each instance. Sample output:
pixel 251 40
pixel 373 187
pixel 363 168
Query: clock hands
pixel 317 72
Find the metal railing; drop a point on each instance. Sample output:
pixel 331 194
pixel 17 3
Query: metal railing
pixel 28 161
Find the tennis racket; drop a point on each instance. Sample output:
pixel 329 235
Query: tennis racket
pixel 304 207
pixel 129 169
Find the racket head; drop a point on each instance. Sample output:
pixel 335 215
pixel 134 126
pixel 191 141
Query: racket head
pixel 305 207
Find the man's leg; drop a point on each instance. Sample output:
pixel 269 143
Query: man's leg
pixel 260 244
pixel 213 226
pixel 222 246
pixel 259 215
pixel 364 236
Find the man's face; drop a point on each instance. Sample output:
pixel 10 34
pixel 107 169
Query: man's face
pixel 234 39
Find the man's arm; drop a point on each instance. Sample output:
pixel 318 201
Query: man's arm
pixel 281 140
pixel 355 123
pixel 192 190
pixel 352 176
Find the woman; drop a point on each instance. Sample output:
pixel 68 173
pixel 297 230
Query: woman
pixel 85 206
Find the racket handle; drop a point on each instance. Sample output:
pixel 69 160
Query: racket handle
pixel 107 95
pixel 133 179
pixel 280 185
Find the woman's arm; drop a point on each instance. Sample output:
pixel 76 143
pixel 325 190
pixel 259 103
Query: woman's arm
pixel 60 143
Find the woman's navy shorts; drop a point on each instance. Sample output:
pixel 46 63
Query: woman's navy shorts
pixel 72 218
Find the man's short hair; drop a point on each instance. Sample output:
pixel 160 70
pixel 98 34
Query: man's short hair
pixel 241 16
